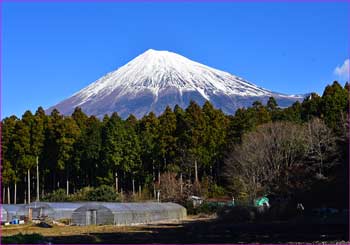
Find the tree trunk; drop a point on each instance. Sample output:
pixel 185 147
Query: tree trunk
pixel 25 190
pixel 67 187
pixel 181 184
pixel 196 171
pixel 43 188
pixel 133 186
pixel 28 186
pixel 116 182
pixel 53 182
pixel 154 180
pixel 3 194
pixel 8 195
pixel 15 194
pixel 158 175
pixel 140 191
pixel 37 180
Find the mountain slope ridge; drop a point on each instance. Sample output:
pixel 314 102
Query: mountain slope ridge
pixel 156 79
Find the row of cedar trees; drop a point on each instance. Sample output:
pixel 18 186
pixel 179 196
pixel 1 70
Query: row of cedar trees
pixel 75 151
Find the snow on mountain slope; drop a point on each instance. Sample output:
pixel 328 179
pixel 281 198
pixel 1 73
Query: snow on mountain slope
pixel 156 79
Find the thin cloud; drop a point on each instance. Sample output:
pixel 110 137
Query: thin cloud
pixel 343 71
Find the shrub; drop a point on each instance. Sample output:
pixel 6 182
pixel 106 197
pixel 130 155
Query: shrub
pixel 204 208
pixel 102 193
pixel 216 191
pixel 237 214
pixel 82 194
pixel 58 195
pixel 207 208
pixel 189 207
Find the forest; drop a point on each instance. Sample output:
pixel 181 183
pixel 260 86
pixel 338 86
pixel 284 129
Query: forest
pixel 295 152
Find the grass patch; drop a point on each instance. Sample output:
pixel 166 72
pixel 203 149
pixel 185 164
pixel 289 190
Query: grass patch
pixel 23 239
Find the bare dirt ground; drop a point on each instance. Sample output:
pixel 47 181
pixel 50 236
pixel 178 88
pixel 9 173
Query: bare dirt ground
pixel 192 230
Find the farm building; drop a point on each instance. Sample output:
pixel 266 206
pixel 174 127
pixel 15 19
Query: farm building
pixel 99 213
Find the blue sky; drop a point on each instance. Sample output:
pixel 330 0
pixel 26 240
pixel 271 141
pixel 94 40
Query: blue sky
pixel 52 50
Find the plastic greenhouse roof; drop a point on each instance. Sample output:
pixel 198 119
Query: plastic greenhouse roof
pixel 12 207
pixel 127 207
pixel 113 206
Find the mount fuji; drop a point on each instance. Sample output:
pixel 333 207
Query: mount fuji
pixel 156 79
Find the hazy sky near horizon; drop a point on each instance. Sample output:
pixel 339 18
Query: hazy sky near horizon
pixel 52 50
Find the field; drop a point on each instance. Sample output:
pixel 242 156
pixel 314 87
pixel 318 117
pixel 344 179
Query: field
pixel 195 229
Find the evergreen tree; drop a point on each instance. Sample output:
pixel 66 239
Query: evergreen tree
pixel 80 118
pixel 167 139
pixel 37 141
pixel 334 105
pixel 148 128
pixel 9 166
pixel 113 133
pixel 131 153
pixel 272 104
pixel 87 153
pixel 214 137
pixel 311 107
pixel 274 110
pixel 196 130
pixel 23 159
pixel 292 113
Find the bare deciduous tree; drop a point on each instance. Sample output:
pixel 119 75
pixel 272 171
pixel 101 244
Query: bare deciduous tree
pixel 267 155
pixel 170 187
pixel 322 146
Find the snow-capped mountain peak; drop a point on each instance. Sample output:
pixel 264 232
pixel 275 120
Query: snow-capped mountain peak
pixel 156 75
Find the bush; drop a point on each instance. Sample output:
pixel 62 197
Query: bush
pixel 103 193
pixel 217 191
pixel 238 214
pixel 57 196
pixel 189 207
pixel 204 208
pixel 82 194
pixel 207 208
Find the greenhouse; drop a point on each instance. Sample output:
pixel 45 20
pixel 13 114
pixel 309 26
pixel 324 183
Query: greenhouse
pixel 36 210
pixel 13 211
pixel 3 215
pixel 95 213
pixel 41 210
pixel 64 210
pixel 99 213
